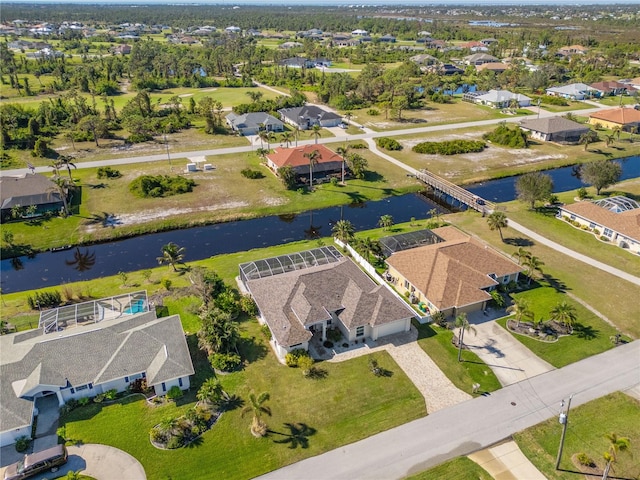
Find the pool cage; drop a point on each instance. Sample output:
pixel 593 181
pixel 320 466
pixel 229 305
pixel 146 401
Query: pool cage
pixel 269 267
pixel 95 311
pixel 405 241
pixel 617 204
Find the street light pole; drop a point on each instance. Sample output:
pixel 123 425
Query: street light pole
pixel 166 144
pixel 563 418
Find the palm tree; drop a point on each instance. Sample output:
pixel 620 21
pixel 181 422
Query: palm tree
pixel 367 247
pixel 520 310
pixel 617 130
pixel 286 138
pixel 343 151
pixel 82 261
pixel 617 444
pixel 343 230
pixel 65 161
pixel 210 391
pixel 533 265
pixel 521 253
pixel 463 324
pixel 386 222
pixel 587 138
pixel 61 186
pixel 258 408
pixel 564 313
pixel 497 221
pixel 172 254
pixel 348 116
pixel 296 132
pixel 608 139
pixel 315 130
pixel 313 158
pixel 265 136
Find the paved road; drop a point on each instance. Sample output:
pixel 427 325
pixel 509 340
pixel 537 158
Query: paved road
pixel 472 425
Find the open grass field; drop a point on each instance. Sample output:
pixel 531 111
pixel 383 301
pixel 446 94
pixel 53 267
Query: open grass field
pixel 606 293
pixel 587 427
pixel 460 468
pixel 220 195
pixel 346 406
pixel 591 334
pixel 497 161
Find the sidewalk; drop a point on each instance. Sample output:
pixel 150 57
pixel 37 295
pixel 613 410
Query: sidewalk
pixel 506 462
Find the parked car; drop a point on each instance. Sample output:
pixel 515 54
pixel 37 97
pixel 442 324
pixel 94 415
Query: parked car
pixel 37 462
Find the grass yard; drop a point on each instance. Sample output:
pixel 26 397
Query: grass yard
pixel 590 337
pixel 587 427
pixel 606 293
pixel 348 405
pixel 436 342
pixel 616 101
pixel 544 221
pixel 458 468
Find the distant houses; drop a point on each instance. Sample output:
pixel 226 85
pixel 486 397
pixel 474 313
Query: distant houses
pixel 498 98
pixel 573 91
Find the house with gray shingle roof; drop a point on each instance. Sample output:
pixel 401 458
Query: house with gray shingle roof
pixel 554 129
pixel 252 123
pixel 86 360
pixel 26 190
pixel 308 115
pixel 301 303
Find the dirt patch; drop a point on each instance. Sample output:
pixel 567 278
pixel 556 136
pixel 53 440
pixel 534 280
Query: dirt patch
pixel 185 95
pixel 590 471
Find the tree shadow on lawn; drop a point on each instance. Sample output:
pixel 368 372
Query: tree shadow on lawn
pixel 519 242
pixel 252 349
pixel 424 331
pixel 586 332
pixel 547 210
pixel 298 435
pixel 555 283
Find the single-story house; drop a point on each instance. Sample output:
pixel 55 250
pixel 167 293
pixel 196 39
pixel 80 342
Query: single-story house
pixel 610 88
pixel 616 218
pixel 26 190
pixel 302 295
pixel 453 275
pixel 387 39
pixel 359 33
pixel 475 46
pixel 626 118
pixel 123 49
pixel 297 62
pixel 449 69
pixel 114 342
pixel 572 50
pixel 328 163
pixel 288 45
pixel 573 91
pixel 502 99
pixel 554 129
pixel 424 59
pixel 308 115
pixel 233 29
pixel 252 123
pixel 479 59
pixel 496 67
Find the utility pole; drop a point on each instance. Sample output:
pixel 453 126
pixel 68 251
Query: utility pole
pixel 538 108
pixel 563 418
pixel 166 144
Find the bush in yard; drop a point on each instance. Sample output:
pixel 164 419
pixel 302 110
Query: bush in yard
pixel 388 143
pixel 41 300
pixel 98 398
pixel 358 146
pixel 174 393
pixel 250 173
pixel 83 401
pixel 108 172
pixel 248 305
pixel 266 331
pixel 22 443
pixel 146 186
pixel 110 394
pixel 225 362
pixel 305 363
pixel 449 147
pixel 553 100
pixel 292 358
pixel 585 460
pixel 508 136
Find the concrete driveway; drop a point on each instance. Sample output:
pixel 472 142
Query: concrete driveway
pixel 511 361
pixel 98 461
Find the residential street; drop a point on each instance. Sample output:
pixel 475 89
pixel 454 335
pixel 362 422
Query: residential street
pixel 472 425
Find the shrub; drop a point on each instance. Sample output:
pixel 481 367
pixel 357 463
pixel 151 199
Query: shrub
pixel 157 435
pixel 305 363
pixel 22 443
pixel 449 147
pixel 334 334
pixel 334 181
pixel 358 146
pixel 582 193
pixel 585 460
pixel 551 100
pixel 174 393
pixel 175 441
pixel 41 300
pixel 166 283
pixel 266 331
pixel 146 186
pixel 603 238
pixel 62 432
pixel 250 173
pixel 111 394
pixel 108 172
pixel 292 358
pixel 83 401
pixel 388 143
pixel 225 362
pixel 373 112
pixel 139 385
pixel 98 398
pixel 507 136
pixel 139 138
pixel 327 344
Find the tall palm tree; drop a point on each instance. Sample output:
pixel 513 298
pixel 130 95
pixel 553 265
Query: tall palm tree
pixel 65 161
pixel 313 158
pixel 386 222
pixel 286 138
pixel 343 230
pixel 497 221
pixel 617 130
pixel 296 132
pixel 368 247
pixel 521 253
pixel 62 186
pixel 258 408
pixel 587 138
pixel 533 265
pixel 617 444
pixel 315 130
pixel 564 313
pixel 520 310
pixel 463 324
pixel 172 254
pixel 343 151
pixel 608 140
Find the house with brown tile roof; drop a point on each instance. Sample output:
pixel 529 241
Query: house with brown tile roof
pixel 496 67
pixel 626 118
pixel 298 304
pixel 452 276
pixel 611 88
pixel 572 50
pixel 328 162
pixel 615 218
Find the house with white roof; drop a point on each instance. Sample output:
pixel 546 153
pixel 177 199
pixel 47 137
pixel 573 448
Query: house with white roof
pixel 501 99
pixel 573 91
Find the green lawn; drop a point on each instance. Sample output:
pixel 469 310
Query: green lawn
pixel 460 468
pixel 436 342
pixel 346 406
pixel 587 427
pixel 590 337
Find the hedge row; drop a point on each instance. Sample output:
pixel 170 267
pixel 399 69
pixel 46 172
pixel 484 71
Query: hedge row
pixel 449 147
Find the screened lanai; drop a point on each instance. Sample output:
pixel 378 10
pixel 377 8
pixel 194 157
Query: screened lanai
pixel 405 241
pixel 268 267
pixel 617 204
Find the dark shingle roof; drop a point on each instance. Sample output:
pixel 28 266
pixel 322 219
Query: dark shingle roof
pixel 552 125
pixel 29 189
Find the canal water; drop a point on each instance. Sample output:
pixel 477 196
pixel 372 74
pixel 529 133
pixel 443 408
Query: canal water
pixel 54 268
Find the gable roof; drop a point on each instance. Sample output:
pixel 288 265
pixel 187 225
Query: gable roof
pixel 552 125
pixel 307 111
pixel 294 300
pixel 455 272
pixel 609 86
pixel 480 57
pixel 620 115
pixel 572 89
pixel 499 96
pixel 626 223
pixel 27 189
pixel 94 353
pixel 295 156
pixel 252 120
